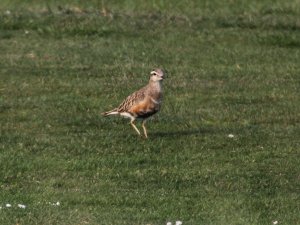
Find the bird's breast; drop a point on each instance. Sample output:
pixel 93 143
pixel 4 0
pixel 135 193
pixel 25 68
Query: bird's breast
pixel 146 108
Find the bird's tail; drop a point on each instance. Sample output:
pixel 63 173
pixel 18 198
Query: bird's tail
pixel 111 112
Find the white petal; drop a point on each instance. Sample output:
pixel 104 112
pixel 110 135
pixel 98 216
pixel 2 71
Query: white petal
pixel 21 206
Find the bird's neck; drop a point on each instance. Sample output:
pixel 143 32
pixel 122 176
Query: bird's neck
pixel 156 85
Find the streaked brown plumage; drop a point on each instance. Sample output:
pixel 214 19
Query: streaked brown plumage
pixel 142 103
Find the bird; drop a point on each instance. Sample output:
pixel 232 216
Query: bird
pixel 143 103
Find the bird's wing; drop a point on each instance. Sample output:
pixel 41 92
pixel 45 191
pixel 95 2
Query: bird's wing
pixel 132 100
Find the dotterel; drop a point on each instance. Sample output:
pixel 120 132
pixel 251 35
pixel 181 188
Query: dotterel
pixel 143 103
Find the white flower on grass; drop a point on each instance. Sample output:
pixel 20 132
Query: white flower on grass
pixel 54 204
pixel 169 223
pixel 21 206
pixel 178 222
pixel 230 135
pixel 8 205
pixel 275 222
pixel 7 12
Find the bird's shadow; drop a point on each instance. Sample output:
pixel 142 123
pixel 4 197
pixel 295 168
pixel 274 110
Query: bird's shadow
pixel 180 133
pixel 193 131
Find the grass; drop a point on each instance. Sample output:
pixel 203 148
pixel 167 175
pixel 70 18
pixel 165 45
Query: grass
pixel 233 68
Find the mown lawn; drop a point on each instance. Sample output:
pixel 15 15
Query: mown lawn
pixel 223 150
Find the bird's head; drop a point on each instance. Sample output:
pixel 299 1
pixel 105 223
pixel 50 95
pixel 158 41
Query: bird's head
pixel 157 75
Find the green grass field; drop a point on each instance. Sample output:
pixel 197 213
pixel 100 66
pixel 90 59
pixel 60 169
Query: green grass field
pixel 223 150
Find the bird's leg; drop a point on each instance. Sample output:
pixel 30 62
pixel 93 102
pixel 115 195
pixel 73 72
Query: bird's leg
pixel 134 127
pixel 144 128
